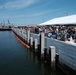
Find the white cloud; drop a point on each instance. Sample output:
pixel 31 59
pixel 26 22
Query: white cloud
pixel 17 4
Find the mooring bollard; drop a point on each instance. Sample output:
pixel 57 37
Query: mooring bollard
pixel 52 56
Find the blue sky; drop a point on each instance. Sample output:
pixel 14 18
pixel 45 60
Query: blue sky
pixel 24 12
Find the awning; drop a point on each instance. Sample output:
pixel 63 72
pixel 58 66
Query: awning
pixel 61 20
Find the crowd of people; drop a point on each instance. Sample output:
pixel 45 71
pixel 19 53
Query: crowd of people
pixel 57 32
pixel 63 33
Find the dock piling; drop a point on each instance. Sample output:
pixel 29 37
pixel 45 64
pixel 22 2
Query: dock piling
pixel 56 59
pixel 35 45
pixel 31 42
pixel 52 56
pixel 28 36
pixel 45 54
pixel 42 44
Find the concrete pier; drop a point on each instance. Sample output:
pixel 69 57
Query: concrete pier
pixel 66 53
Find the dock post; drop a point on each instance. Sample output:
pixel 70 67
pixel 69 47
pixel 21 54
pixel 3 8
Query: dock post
pixel 42 44
pixel 52 55
pixel 45 54
pixel 31 42
pixel 25 38
pixel 36 45
pixel 56 59
pixel 21 33
pixel 39 51
pixel 33 46
pixel 28 36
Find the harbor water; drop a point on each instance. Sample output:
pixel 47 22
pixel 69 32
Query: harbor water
pixel 15 59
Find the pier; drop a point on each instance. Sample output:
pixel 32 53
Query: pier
pixel 55 54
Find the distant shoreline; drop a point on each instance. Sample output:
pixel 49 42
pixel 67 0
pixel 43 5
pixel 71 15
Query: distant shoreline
pixel 5 29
